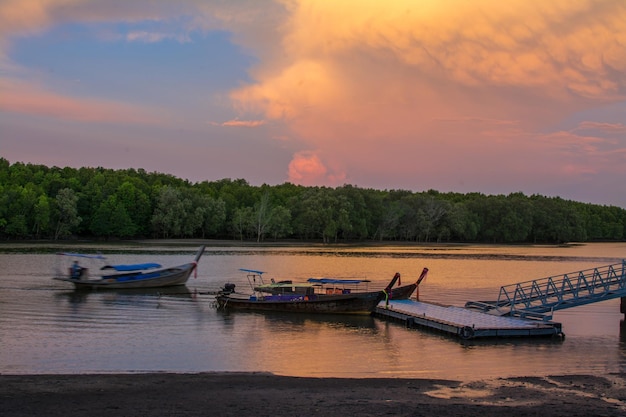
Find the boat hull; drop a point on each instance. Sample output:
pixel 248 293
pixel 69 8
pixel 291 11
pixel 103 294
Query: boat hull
pixel 354 304
pixel 162 278
pixel 360 303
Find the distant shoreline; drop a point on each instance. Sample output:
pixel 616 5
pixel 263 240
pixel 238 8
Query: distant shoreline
pixel 191 245
pixel 272 243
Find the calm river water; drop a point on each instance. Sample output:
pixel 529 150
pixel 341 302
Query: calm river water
pixel 47 328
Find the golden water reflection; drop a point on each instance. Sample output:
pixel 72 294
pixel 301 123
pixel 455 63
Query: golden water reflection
pixel 45 327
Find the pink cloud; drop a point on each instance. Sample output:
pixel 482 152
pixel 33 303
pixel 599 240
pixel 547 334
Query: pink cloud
pixel 306 168
pixel 603 127
pixel 19 97
pixel 154 37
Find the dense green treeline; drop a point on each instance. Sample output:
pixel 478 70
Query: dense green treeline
pixel 43 202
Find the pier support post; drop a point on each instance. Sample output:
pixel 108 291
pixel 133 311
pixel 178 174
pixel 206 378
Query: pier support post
pixel 622 306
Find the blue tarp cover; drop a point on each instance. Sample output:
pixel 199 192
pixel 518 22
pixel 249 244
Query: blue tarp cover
pixel 134 267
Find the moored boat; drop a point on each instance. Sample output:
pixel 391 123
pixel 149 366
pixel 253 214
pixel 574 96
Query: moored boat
pixel 145 275
pixel 317 295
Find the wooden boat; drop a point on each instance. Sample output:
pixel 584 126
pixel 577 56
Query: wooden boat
pixel 317 295
pixel 146 275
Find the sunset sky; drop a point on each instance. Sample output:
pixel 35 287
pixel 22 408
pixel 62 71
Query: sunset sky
pixel 485 96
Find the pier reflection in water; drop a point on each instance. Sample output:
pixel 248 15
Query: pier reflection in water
pixel 45 327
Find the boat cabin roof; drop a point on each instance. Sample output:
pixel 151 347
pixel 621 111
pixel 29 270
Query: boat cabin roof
pixel 82 255
pixel 310 281
pixel 119 268
pixel 252 271
pixel 284 285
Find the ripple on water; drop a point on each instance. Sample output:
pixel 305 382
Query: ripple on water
pixel 45 327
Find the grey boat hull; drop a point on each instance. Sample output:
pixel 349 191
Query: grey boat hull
pixel 165 277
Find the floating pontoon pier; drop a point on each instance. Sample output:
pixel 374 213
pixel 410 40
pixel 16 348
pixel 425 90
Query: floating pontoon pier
pixel 463 322
pixel 523 309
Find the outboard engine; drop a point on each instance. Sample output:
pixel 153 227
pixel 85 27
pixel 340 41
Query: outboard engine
pixel 228 288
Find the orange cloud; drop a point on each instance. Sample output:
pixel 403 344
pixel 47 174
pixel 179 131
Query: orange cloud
pixel 27 16
pixel 423 86
pixel 243 123
pixel 556 49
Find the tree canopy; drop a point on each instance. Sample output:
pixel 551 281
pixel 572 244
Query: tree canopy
pixel 40 202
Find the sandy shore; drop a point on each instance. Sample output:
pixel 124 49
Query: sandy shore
pixel 239 394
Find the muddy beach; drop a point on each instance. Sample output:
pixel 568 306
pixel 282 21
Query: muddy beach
pixel 259 394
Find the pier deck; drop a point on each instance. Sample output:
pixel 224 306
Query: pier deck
pixel 463 322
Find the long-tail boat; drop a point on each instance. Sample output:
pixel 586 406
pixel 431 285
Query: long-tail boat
pixel 316 295
pixel 107 276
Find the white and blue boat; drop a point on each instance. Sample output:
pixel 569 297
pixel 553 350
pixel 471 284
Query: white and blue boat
pixel 94 273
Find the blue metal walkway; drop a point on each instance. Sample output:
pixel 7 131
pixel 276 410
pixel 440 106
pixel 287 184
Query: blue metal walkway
pixel 541 297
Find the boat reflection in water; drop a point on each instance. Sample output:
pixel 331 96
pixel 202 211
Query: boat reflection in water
pixel 129 296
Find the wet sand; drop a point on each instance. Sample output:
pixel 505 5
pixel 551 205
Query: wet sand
pixel 257 394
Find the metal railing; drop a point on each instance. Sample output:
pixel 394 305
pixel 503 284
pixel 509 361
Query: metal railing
pixel 540 297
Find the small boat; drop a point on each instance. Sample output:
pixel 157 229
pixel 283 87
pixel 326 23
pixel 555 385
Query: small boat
pixel 145 275
pixel 317 295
